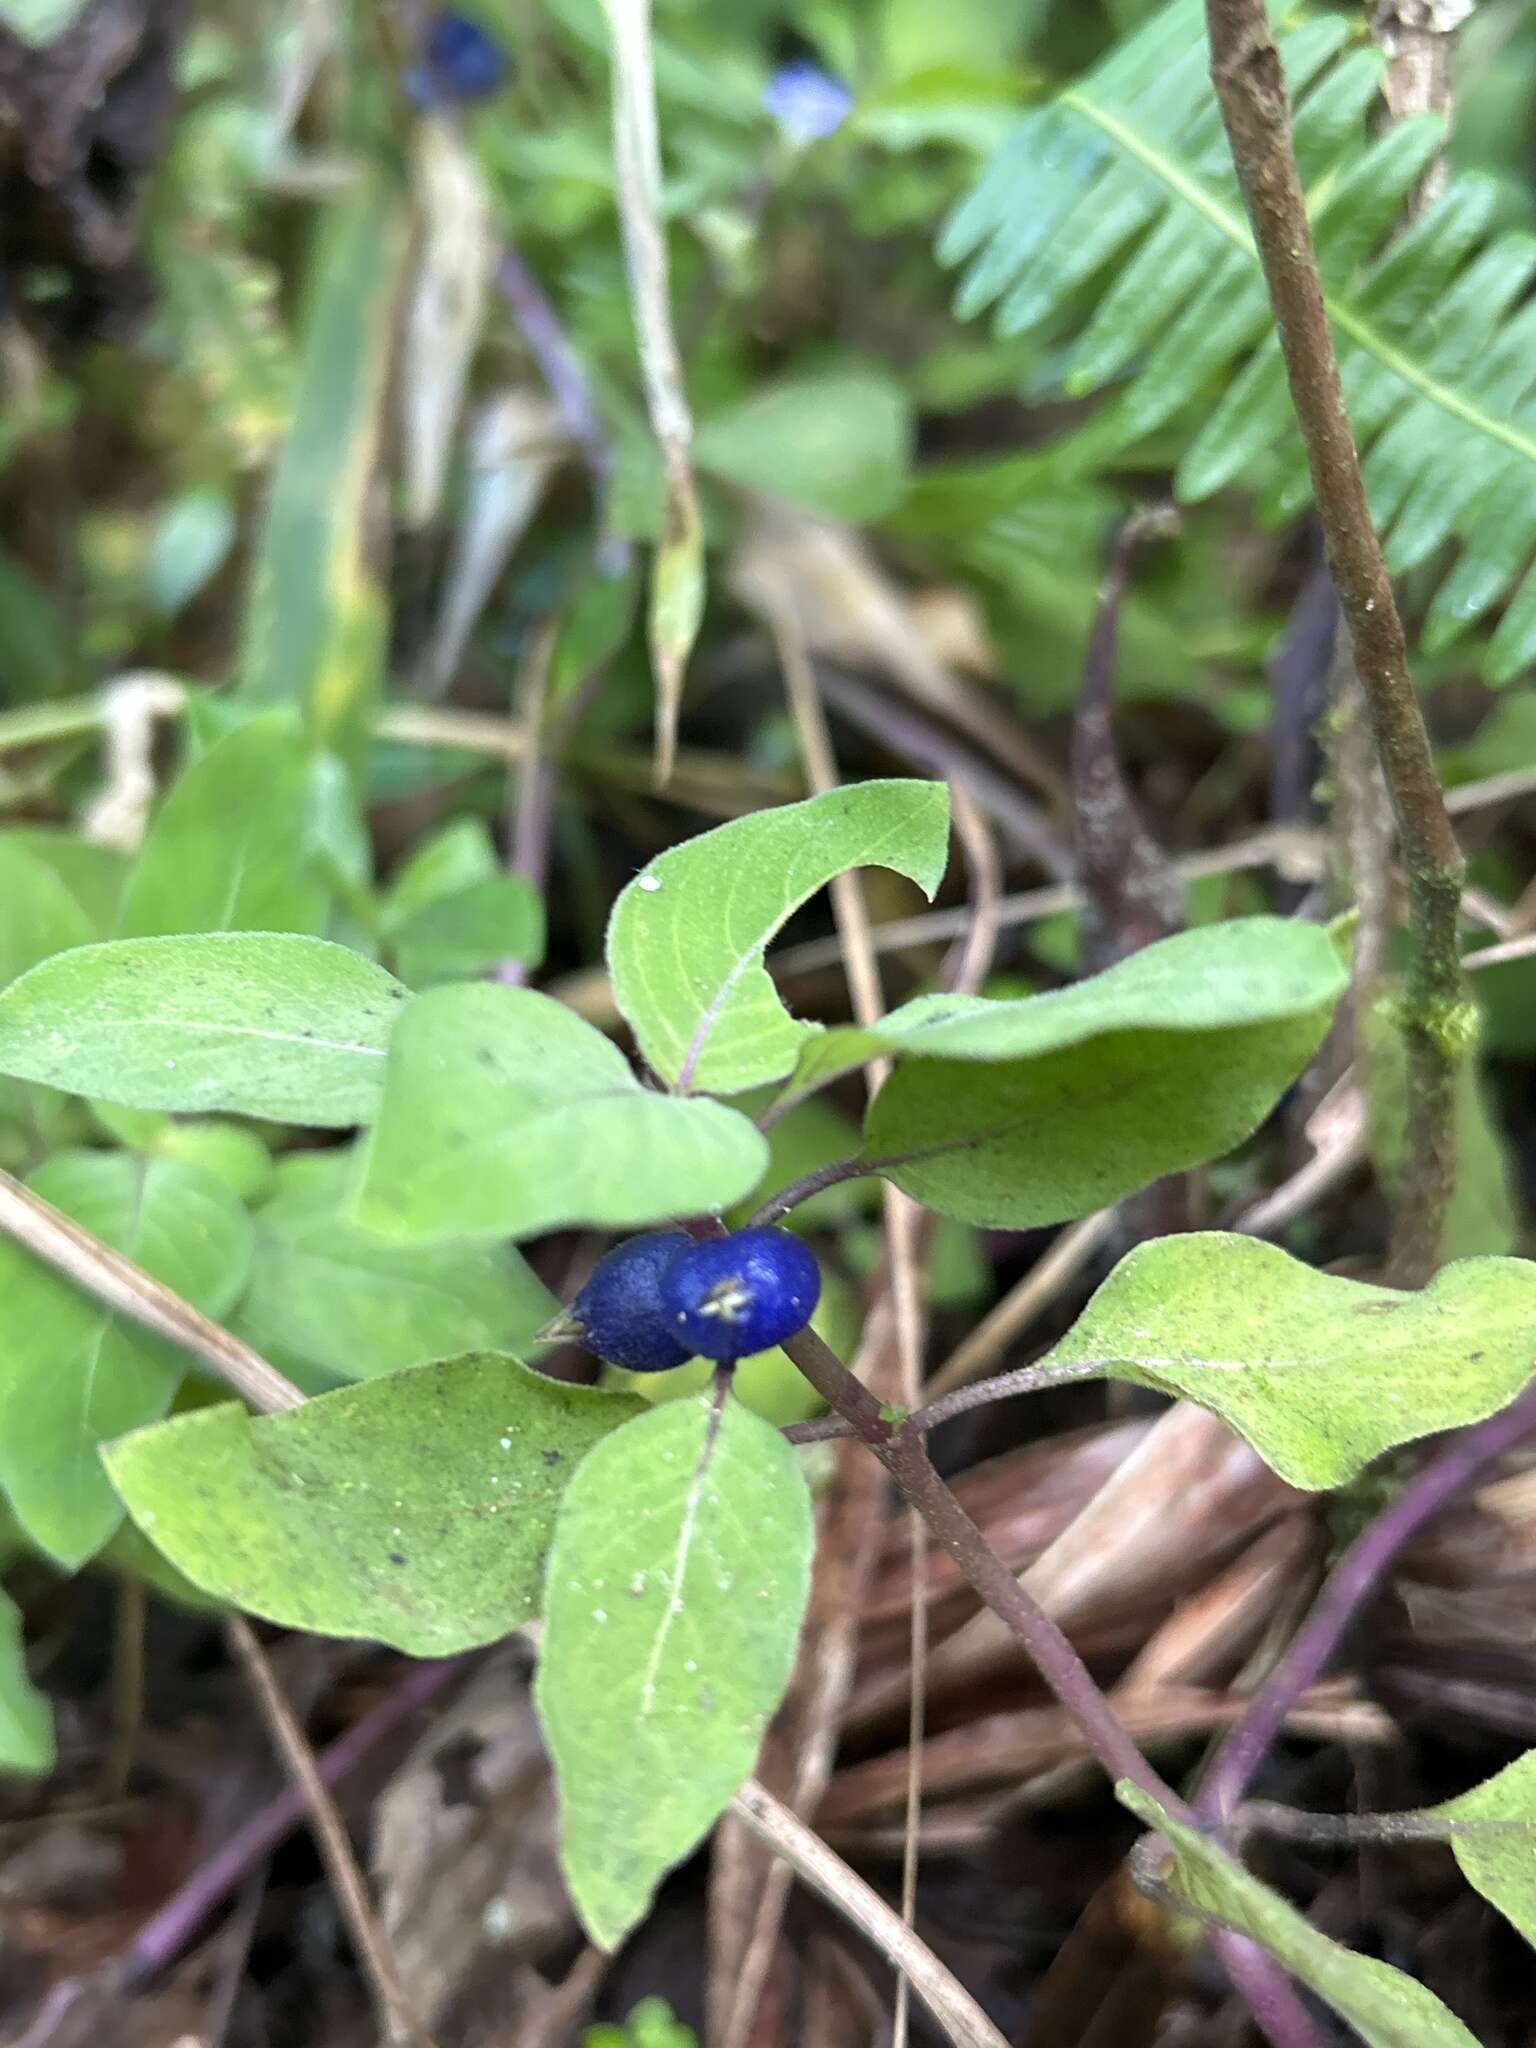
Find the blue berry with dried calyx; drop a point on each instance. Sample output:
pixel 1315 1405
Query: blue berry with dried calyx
pixel 619 1313
pixel 728 1297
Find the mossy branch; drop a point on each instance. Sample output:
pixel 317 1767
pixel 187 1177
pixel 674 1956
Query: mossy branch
pixel 1250 86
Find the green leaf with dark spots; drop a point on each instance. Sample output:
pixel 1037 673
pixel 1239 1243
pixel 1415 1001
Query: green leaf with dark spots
pixel 413 1510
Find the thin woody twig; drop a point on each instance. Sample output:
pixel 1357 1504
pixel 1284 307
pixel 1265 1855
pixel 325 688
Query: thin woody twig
pixel 390 1995
pixel 1436 1017
pixel 1003 1386
pixel 825 1871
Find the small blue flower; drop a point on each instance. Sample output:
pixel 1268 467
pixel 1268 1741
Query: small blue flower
pixel 807 102
pixel 459 62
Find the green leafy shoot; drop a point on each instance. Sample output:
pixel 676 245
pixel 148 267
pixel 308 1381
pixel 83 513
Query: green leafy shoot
pixel 1386 2008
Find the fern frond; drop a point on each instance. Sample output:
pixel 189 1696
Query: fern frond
pixel 1113 214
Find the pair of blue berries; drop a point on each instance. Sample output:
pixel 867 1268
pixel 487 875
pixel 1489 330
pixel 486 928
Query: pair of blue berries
pixel 659 1299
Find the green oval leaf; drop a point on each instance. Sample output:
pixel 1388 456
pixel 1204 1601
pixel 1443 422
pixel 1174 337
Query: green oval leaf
pixel 504 1114
pixel 1500 1862
pixel 231 846
pixel 38 914
pixel 26 1718
pixel 686 939
pixel 677 1579
pixel 264 1024
pixel 328 1301
pixel 838 442
pixel 1320 1374
pixel 1386 2008
pixel 71 1372
pixel 413 1510
pixel 500 917
pixel 1053 1105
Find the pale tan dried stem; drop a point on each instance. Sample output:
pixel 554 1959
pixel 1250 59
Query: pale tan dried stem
pixel 74 1251
pixel 1059 1266
pixel 966 2025
pixel 390 1997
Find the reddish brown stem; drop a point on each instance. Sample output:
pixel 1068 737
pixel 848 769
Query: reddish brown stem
pixel 901 1451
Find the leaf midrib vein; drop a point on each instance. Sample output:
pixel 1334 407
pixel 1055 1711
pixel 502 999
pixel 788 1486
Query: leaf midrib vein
pixel 1348 322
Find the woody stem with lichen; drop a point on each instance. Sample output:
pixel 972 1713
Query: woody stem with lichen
pixel 1436 1017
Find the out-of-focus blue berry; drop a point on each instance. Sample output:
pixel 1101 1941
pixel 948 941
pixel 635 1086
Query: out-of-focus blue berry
pixel 459 61
pixel 728 1297
pixel 807 102
pixel 619 1314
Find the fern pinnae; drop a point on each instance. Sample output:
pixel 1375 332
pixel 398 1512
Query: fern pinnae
pixel 1114 210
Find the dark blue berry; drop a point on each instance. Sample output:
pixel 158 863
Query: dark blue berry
pixel 619 1313
pixel 459 61
pixel 727 1297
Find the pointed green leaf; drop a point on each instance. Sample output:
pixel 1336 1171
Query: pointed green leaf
pixel 471 931
pixel 414 1510
pixel 26 1718
pixel 328 1301
pixel 1500 1862
pixel 94 875
pixel 232 846
pixel 1386 2008
pixel 38 913
pixel 504 1115
pixel 314 636
pixel 677 1579
pixel 71 1372
pixel 1053 1105
pixel 442 864
pixel 1320 1374
pixel 257 1023
pixel 686 940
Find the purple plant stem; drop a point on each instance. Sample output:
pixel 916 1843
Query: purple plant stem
pixel 1268 1992
pixel 167 1932
pixel 1355 1577
pixel 568 385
